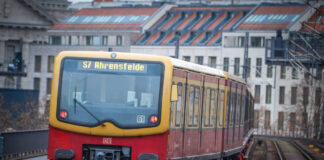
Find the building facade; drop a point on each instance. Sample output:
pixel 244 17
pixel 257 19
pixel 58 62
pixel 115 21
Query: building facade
pixel 22 24
pixel 284 98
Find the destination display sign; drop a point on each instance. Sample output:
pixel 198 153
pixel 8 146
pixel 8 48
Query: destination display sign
pixel 107 66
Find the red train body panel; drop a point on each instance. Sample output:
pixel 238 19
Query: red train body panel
pixel 67 140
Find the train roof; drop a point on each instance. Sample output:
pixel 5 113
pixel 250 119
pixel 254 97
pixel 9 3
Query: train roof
pixel 205 69
pixel 196 67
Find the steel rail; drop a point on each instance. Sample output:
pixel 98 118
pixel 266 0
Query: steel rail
pixel 301 150
pixel 281 157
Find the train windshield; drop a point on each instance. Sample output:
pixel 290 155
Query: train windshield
pixel 125 93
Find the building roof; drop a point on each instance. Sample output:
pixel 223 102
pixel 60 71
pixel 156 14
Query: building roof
pixel 273 17
pixel 316 22
pixel 106 19
pixel 39 10
pixel 194 25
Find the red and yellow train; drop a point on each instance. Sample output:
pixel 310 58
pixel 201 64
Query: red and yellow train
pixel 121 106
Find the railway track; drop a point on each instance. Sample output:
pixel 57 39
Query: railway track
pixel 279 152
pixel 279 149
pixel 304 153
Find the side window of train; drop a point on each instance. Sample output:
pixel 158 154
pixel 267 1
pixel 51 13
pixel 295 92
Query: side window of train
pixel 243 105
pixel 220 109
pixel 196 106
pixel 178 106
pixel 238 107
pixel 206 108
pixel 191 106
pixel 172 106
pixel 228 106
pixel 212 108
pixel 232 107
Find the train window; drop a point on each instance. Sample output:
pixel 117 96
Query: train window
pixel 179 105
pixel 228 106
pixel 212 107
pixel 243 108
pixel 110 95
pixel 232 108
pixel 238 110
pixel 196 107
pixel 220 109
pixel 207 108
pixel 191 105
pixel 172 106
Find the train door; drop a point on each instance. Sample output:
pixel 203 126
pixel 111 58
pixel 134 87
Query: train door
pixel 207 130
pixel 242 112
pixel 175 140
pixel 236 135
pixel 232 114
pixel 220 115
pixel 192 114
pixel 227 115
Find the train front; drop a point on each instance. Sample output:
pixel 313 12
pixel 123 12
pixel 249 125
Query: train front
pixel 109 106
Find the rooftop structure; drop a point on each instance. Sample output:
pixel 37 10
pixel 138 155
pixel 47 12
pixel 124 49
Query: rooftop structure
pixel 191 25
pixel 269 16
pixel 106 19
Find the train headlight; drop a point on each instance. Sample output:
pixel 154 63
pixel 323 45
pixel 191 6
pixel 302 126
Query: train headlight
pixel 148 156
pixel 154 119
pixel 64 153
pixel 126 151
pixel 63 114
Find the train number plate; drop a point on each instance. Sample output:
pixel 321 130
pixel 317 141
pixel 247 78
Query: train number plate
pixel 106 140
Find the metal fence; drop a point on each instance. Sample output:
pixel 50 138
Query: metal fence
pixel 23 144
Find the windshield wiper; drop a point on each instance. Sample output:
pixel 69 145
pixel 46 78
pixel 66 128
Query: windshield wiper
pixel 95 117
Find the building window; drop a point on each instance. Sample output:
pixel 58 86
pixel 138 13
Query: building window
pixel 294 73
pixel 304 123
pixel 258 67
pixel 9 82
pixel 200 60
pixel 69 40
pixel 249 67
pixel 105 40
pixel 283 72
pixel 36 83
pixel 292 122
pixel 48 85
pixel 55 40
pixel 186 58
pixel 257 41
pixel 268 94
pixel 226 63
pixel 257 91
pixel 96 41
pixel 50 64
pixel 237 66
pixel 318 93
pixel 267 120
pixel 119 41
pixel 75 40
pixel 282 95
pixel 240 41
pixel 38 63
pixel 293 99
pixel 280 120
pixel 89 40
pixel 305 96
pixel 212 62
pixel 269 71
pixel 256 118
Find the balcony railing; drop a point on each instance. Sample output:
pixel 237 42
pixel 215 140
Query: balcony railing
pixel 9 69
